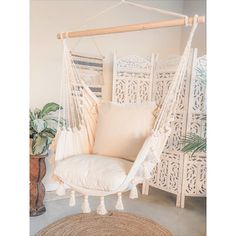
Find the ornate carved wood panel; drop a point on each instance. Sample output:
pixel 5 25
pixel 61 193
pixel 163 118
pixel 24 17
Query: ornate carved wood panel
pixel 168 173
pixel 181 174
pixel 132 79
pixel 190 172
pixel 195 166
pixel 168 170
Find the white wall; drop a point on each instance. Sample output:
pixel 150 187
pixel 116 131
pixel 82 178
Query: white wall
pixel 50 17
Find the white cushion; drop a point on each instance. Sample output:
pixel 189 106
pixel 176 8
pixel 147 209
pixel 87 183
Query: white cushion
pixel 93 171
pixel 122 128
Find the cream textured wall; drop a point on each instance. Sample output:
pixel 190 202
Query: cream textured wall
pixel 48 17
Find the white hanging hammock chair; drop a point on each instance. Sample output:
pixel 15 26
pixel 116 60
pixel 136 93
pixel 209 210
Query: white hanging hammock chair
pixel 74 142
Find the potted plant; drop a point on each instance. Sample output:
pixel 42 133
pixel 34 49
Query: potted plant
pixel 43 127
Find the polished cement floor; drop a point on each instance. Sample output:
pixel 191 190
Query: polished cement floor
pixel 158 206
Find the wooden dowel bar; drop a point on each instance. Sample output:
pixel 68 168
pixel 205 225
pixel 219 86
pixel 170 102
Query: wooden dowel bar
pixel 129 28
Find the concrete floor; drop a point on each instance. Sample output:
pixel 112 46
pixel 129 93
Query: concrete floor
pixel 158 206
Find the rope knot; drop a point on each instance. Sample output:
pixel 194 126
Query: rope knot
pixel 195 19
pixel 186 21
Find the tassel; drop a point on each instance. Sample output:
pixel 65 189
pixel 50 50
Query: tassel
pixel 134 192
pixel 72 198
pixel 60 190
pixel 119 204
pixel 101 210
pixel 85 205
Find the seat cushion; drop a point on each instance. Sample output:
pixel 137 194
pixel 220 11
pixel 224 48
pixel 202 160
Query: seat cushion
pixel 93 171
pixel 122 128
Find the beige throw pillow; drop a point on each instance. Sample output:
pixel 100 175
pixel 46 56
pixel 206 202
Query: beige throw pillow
pixel 122 128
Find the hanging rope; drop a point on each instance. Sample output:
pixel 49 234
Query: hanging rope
pixel 106 10
pixel 122 2
pixel 168 104
pixel 91 18
pixel 165 12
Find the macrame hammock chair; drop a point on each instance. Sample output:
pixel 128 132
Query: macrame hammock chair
pixel 80 110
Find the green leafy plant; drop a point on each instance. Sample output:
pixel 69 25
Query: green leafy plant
pixel 193 143
pixel 43 127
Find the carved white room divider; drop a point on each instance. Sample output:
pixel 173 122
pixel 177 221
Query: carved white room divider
pixel 194 174
pixel 178 173
pixel 132 79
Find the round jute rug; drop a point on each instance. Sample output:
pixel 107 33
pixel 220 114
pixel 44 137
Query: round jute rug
pixel 112 224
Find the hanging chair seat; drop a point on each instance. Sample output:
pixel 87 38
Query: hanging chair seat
pixel 105 131
pixel 95 172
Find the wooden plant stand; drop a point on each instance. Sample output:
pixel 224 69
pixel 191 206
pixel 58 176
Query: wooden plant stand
pixel 37 189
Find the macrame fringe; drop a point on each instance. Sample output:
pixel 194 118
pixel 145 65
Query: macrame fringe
pixel 119 203
pixel 60 190
pixel 85 205
pixel 72 198
pixel 101 210
pixel 134 192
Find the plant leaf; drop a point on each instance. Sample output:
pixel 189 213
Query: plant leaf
pixel 32 133
pixel 39 145
pixel 37 112
pixel 48 133
pixel 193 143
pixel 38 125
pixel 49 107
pixel 31 115
pixel 50 119
pixel 51 124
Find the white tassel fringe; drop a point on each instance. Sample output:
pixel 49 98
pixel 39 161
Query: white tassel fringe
pixel 85 205
pixel 134 192
pixel 72 198
pixel 60 190
pixel 101 210
pixel 119 204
